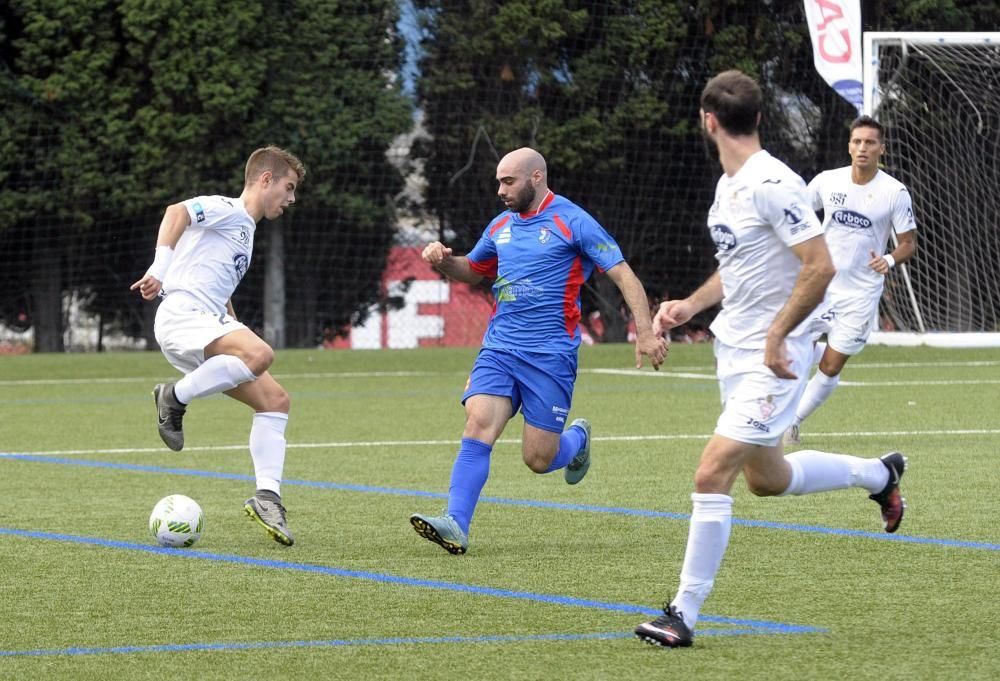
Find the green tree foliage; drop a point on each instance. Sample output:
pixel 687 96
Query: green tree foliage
pixel 608 92
pixel 132 104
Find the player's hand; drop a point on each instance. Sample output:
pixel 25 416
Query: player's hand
pixel 436 252
pixel 878 263
pixel 670 314
pixel 776 358
pixel 655 347
pixel 149 287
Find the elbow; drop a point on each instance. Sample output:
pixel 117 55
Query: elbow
pixel 827 272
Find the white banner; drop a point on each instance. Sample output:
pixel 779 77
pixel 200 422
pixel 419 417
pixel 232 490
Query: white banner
pixel 835 29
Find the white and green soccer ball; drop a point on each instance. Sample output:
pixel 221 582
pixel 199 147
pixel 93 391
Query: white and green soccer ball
pixel 177 521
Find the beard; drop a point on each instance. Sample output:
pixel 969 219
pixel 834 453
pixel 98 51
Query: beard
pixel 711 148
pixel 523 201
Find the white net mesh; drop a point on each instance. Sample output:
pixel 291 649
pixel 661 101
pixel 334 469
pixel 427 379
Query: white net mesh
pixel 940 104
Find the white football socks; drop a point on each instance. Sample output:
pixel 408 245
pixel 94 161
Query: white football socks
pixel 818 349
pixel 708 536
pixel 819 388
pixel 267 449
pixel 216 374
pixel 814 471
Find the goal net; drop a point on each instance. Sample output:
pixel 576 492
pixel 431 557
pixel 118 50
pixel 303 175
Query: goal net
pixel 938 96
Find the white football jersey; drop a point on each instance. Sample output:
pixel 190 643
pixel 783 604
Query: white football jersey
pixel 214 252
pixel 857 219
pixel 758 214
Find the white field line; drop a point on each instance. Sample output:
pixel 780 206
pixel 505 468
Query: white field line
pixel 867 384
pixel 692 372
pixel 153 379
pixel 508 441
pixel 696 372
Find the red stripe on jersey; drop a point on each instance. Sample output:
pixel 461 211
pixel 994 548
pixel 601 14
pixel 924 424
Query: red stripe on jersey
pixel 567 232
pixel 498 225
pixel 573 283
pixel 486 268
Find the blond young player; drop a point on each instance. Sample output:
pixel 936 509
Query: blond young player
pixel 203 249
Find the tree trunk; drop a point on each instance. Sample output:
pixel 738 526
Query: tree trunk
pixel 274 287
pixel 45 292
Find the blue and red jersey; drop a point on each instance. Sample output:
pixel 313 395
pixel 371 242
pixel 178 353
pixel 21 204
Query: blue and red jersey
pixel 539 261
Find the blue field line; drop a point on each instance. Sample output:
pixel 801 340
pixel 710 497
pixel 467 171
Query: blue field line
pixel 589 508
pixel 776 627
pixel 336 643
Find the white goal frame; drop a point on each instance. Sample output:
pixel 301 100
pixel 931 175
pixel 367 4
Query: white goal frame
pixel 872 42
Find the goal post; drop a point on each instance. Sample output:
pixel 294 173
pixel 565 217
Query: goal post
pixel 936 96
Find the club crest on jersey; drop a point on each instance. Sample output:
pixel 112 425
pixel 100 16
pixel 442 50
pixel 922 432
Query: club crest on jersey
pixel 241 262
pixel 723 237
pixel 504 236
pixel 544 234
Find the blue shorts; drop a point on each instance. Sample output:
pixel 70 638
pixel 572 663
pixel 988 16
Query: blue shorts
pixel 540 385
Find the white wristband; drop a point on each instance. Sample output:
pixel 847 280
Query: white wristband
pixel 161 263
pixel 890 260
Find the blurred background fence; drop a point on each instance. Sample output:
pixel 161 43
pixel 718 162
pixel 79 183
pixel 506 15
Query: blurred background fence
pixel 111 110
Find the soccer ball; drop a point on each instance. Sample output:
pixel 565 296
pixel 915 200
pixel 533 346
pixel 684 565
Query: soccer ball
pixel 176 521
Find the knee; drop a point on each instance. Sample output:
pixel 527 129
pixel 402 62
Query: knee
pixel 536 461
pixel 275 399
pixel 707 478
pixel 479 427
pixel 762 486
pixel 259 358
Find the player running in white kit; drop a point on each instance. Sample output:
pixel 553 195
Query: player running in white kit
pixel 203 249
pixel 774 267
pixel 861 205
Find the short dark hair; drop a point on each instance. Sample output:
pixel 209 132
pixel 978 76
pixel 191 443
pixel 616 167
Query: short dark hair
pixel 735 99
pixel 868 122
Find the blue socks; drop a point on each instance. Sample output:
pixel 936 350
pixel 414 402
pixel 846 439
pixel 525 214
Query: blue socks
pixel 570 442
pixel 468 476
pixel 472 468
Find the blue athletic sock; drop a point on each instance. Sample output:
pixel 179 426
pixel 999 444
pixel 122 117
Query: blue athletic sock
pixel 468 476
pixel 570 442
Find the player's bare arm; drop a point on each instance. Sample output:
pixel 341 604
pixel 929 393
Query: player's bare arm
pixel 175 221
pixel 676 312
pixel 903 252
pixel 456 267
pixel 816 273
pixel 646 342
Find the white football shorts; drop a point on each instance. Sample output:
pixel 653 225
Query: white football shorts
pixel 184 328
pixel 851 325
pixel 757 406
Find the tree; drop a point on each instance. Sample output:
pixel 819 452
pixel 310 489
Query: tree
pixel 608 92
pixel 139 104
